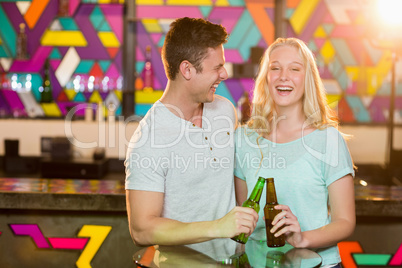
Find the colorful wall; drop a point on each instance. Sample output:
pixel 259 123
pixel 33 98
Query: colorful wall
pixel 356 72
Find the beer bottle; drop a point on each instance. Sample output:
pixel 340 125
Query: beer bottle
pixel 270 212
pixel 46 94
pixel 252 202
pixel 22 53
pixel 148 72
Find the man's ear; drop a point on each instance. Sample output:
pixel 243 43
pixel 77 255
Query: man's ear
pixel 185 69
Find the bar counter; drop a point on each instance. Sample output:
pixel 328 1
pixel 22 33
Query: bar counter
pixel 64 212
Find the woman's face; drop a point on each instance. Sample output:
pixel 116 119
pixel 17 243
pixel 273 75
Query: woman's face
pixel 286 73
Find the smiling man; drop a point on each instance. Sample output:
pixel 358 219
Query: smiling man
pixel 180 160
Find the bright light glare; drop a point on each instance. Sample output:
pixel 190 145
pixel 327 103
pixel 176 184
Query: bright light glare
pixel 390 11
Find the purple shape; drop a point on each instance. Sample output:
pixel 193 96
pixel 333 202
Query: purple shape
pixel 94 48
pixel 227 16
pixel 118 60
pixel 325 73
pixel 380 104
pixel 168 12
pixel 315 20
pixel 271 13
pixel 4 107
pixel 66 106
pixel 114 15
pixel 33 65
pixel 235 88
pixel 33 231
pixel 14 102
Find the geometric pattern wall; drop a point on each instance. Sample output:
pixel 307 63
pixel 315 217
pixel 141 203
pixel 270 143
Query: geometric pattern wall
pixel 356 73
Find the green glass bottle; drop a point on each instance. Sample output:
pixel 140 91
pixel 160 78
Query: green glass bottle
pixel 270 212
pixel 252 202
pixel 46 94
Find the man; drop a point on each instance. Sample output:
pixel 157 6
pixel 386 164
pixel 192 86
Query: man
pixel 179 165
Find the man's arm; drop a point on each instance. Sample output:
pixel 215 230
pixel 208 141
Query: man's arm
pixel 147 227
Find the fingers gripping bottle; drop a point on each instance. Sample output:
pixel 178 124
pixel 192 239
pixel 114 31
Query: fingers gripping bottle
pixel 270 212
pixel 252 202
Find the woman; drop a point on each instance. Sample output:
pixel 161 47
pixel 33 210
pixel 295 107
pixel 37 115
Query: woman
pixel 292 137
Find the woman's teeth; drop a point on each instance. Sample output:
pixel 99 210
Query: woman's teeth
pixel 284 88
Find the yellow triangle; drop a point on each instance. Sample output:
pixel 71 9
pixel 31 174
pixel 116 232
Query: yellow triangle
pixel 320 33
pixel 119 95
pixel 95 97
pixel 51 109
pixel 222 3
pixel 333 100
pixel 70 94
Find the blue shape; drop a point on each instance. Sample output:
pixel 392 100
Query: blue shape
pixel 142 109
pixel 55 54
pixel 312 46
pixel 104 64
pixel 251 39
pixel 68 24
pixel 343 51
pixel 96 17
pixel 3 53
pixel 84 67
pixel 243 25
pixel 223 91
pixel 79 97
pixel 139 66
pixel 205 10
pixel 335 67
pixel 359 111
pixel 289 12
pixel 343 80
pixel 161 40
pixel 7 33
pixel 119 110
pixel 104 27
pixel 238 3
pixel 374 53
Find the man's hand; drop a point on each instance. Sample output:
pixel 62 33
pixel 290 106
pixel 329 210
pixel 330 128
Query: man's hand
pixel 238 220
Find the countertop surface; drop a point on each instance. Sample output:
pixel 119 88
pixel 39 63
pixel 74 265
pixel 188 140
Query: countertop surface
pixel 109 195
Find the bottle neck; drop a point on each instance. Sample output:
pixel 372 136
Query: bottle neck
pixel 271 193
pixel 257 191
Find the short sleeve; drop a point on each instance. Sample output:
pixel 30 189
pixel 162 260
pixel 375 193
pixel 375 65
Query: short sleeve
pixel 141 165
pixel 337 161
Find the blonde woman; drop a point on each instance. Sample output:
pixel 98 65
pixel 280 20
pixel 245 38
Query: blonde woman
pixel 292 136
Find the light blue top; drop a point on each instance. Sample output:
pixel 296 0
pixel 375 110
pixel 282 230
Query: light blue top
pixel 302 170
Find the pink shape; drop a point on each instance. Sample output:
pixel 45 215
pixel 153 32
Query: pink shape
pixel 343 31
pixel 114 15
pixel 233 56
pixel 55 63
pixel 112 71
pixel 397 259
pixel 73 6
pixel 167 12
pixel 247 84
pixel 14 102
pixel 155 37
pixel 33 231
pixel 227 16
pixel 68 243
pixel 352 88
pixel 34 65
pixel 319 42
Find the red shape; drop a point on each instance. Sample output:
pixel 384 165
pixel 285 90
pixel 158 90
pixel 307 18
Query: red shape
pixel 112 51
pixel 397 259
pixel 345 113
pixel 346 248
pixel 68 243
pixel 62 97
pixel 96 70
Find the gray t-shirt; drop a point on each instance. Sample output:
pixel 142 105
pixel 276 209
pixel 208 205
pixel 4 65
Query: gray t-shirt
pixel 192 166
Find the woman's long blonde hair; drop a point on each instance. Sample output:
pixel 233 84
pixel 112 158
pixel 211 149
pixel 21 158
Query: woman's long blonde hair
pixel 315 106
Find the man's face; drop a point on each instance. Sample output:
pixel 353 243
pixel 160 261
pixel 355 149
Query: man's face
pixel 213 72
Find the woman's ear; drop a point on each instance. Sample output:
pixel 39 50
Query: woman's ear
pixel 185 69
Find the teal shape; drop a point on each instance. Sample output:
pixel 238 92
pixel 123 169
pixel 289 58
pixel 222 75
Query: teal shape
pixel 238 3
pixel 251 39
pixel 374 53
pixel 335 67
pixel 84 67
pixel 142 109
pixel 343 51
pixel 36 84
pixel 289 12
pixel 96 17
pixel 371 259
pixel 328 27
pixel 312 46
pixel 104 64
pixel 359 111
pixel 104 27
pixel 55 54
pixel 205 10
pixel 68 24
pixel 3 53
pixel 243 25
pixel 7 34
pixel 139 66
pixel 79 97
pixel 161 40
pixel 343 80
pixel 119 110
pixel 223 91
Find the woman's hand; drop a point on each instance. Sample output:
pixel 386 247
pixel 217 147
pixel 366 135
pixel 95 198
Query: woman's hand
pixel 286 223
